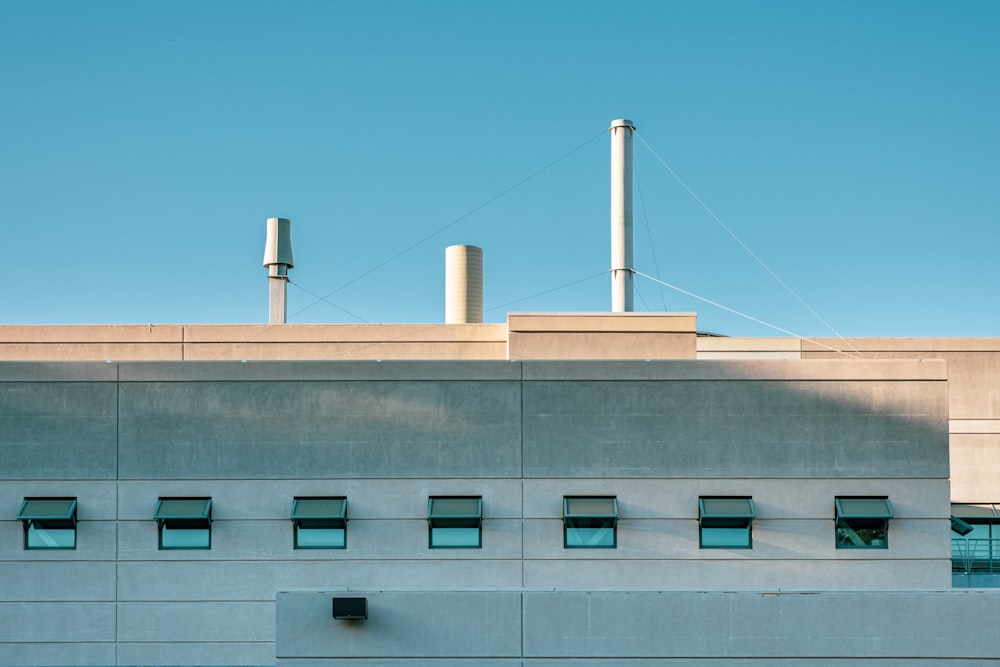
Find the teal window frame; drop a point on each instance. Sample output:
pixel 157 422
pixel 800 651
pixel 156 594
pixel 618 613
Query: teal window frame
pixel 590 522
pixel 862 522
pixel 49 523
pixel 725 522
pixel 455 522
pixel 186 523
pixel 319 522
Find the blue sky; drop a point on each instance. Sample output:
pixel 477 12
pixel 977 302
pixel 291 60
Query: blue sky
pixel 852 146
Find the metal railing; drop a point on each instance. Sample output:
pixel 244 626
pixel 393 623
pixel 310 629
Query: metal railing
pixel 975 556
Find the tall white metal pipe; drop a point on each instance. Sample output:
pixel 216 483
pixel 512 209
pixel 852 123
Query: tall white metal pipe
pixel 621 215
pixel 278 259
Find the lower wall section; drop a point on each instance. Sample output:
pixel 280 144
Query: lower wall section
pixel 428 625
pixel 656 662
pixel 194 653
pixel 975 581
pixel 760 625
pixel 66 654
pixel 598 629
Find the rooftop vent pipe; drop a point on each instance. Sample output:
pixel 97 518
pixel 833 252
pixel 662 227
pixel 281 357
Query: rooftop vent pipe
pixel 463 303
pixel 278 259
pixel 621 215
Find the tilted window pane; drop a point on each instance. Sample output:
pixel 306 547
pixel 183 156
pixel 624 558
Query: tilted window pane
pixel 320 538
pixel 862 533
pixel 185 538
pixel 183 508
pixel 319 508
pixel 456 537
pixel 590 506
pixel 726 507
pixel 453 507
pixel 50 538
pixel 48 509
pixel 601 537
pixel 863 508
pixel 734 538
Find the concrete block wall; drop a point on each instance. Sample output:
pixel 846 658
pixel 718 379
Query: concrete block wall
pixel 387 435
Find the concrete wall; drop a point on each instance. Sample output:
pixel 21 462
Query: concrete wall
pixel 525 336
pixel 387 435
pixel 601 335
pixel 171 342
pixel 974 399
pixel 641 628
pixel 973 391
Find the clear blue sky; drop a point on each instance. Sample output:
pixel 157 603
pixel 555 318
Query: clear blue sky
pixel 854 147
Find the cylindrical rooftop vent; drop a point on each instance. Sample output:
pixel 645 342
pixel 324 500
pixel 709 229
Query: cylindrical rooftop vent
pixel 278 259
pixel 278 249
pixel 463 284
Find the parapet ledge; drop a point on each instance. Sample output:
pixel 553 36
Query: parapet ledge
pixel 602 322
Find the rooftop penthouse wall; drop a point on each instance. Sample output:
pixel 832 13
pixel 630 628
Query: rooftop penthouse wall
pixel 525 336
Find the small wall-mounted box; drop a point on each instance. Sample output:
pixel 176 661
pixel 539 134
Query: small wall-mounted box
pixel 350 609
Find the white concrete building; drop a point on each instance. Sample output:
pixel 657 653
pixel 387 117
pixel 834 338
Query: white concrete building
pixel 565 489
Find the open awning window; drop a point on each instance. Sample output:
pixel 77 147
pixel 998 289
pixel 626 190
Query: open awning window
pixel 862 523
pixel 455 522
pixel 725 522
pixel 49 523
pixel 320 523
pixel 184 523
pixel 590 522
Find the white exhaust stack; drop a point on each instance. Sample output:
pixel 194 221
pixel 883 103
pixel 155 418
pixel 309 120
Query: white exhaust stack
pixel 278 259
pixel 621 215
pixel 463 302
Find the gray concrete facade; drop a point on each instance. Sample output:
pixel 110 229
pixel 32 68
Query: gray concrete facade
pixel 387 435
pixel 641 628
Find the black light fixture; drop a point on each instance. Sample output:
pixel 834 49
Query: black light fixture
pixel 960 527
pixel 350 609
